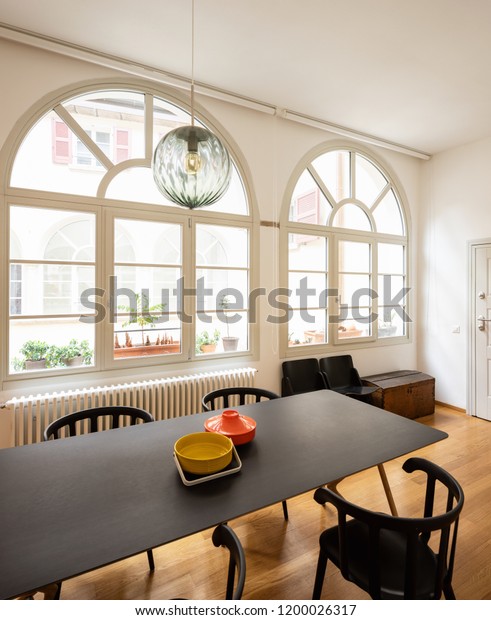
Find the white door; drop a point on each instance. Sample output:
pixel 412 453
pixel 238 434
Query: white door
pixel 480 326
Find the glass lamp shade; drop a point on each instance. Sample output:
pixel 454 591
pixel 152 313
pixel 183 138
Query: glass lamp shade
pixel 191 167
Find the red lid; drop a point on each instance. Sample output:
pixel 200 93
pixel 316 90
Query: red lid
pixel 240 428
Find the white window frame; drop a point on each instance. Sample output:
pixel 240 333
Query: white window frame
pixel 334 234
pixel 105 208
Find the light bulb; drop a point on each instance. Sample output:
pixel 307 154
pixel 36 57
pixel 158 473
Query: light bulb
pixel 192 162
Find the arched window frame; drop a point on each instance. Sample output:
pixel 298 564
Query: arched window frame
pixel 320 341
pixel 106 209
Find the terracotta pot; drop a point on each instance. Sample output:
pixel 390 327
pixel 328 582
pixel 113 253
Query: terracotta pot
pixel 208 348
pixel 150 349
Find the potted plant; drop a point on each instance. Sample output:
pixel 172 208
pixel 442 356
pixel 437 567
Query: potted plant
pixel 140 314
pixel 230 343
pixel 33 355
pixel 205 343
pixel 75 353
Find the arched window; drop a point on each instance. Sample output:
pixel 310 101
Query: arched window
pixel 346 239
pixel 97 245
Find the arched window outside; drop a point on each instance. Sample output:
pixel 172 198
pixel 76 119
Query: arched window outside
pixel 98 254
pixel 347 253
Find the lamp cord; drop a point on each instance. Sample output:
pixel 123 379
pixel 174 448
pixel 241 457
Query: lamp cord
pixel 192 63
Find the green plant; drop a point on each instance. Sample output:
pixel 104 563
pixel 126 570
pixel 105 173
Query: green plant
pixel 31 351
pixel 34 350
pixel 204 338
pixel 140 313
pixel 75 348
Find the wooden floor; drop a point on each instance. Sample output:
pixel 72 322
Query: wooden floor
pixel 281 556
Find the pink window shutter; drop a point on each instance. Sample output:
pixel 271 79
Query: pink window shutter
pixel 61 143
pixel 122 145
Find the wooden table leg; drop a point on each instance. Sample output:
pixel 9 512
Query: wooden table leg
pixel 387 490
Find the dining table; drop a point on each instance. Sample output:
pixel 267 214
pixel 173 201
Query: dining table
pixel 72 505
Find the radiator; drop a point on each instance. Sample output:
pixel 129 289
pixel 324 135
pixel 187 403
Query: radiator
pixel 25 418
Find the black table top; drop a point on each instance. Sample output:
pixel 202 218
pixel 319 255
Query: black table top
pixel 71 505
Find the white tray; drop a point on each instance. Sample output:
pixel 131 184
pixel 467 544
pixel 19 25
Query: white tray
pixel 192 479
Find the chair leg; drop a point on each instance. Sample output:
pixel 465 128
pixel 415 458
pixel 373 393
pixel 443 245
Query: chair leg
pixel 387 489
pixel 151 563
pixel 448 592
pixel 285 509
pixel 319 575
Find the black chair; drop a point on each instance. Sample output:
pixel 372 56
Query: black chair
pixel 390 557
pixel 341 376
pixel 225 395
pixel 300 376
pixel 221 398
pixel 223 535
pixel 117 417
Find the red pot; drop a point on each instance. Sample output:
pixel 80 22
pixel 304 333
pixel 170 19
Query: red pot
pixel 240 428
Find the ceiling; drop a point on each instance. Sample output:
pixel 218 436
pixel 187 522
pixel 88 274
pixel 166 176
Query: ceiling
pixel 413 72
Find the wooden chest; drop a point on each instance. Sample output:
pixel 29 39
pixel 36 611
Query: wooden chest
pixel 406 392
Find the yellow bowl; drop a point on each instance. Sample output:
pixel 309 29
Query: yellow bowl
pixel 203 453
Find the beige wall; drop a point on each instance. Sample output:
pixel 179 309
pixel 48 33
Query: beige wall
pixel 270 148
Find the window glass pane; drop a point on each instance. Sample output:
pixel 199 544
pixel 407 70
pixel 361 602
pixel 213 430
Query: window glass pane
pixel 351 216
pixel 353 327
pixel 147 242
pixel 234 200
pixel 369 180
pixel 354 257
pixel 390 321
pixel 307 251
pixel 222 289
pixel 215 336
pixel 389 287
pixel 161 337
pixel 45 159
pixel 390 258
pixel 387 214
pixel 334 169
pixel 136 184
pixel 51 234
pixel 147 295
pixel 354 289
pixel 308 204
pixel 308 290
pixel 112 119
pixel 49 339
pixel 154 286
pixel 225 246
pixel 307 327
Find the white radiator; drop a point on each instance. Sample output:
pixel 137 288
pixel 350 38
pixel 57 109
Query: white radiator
pixel 25 418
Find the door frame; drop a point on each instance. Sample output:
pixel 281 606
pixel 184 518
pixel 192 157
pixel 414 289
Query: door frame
pixel 472 246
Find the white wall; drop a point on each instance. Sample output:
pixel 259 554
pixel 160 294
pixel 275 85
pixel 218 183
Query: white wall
pixel 456 209
pixel 271 148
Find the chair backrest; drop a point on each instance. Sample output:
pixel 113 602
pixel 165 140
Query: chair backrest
pixel 224 535
pixel 227 397
pixel 413 531
pixel 339 371
pixel 117 416
pixel 301 376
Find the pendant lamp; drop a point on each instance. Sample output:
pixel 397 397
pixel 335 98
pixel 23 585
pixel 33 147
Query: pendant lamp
pixel 190 165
